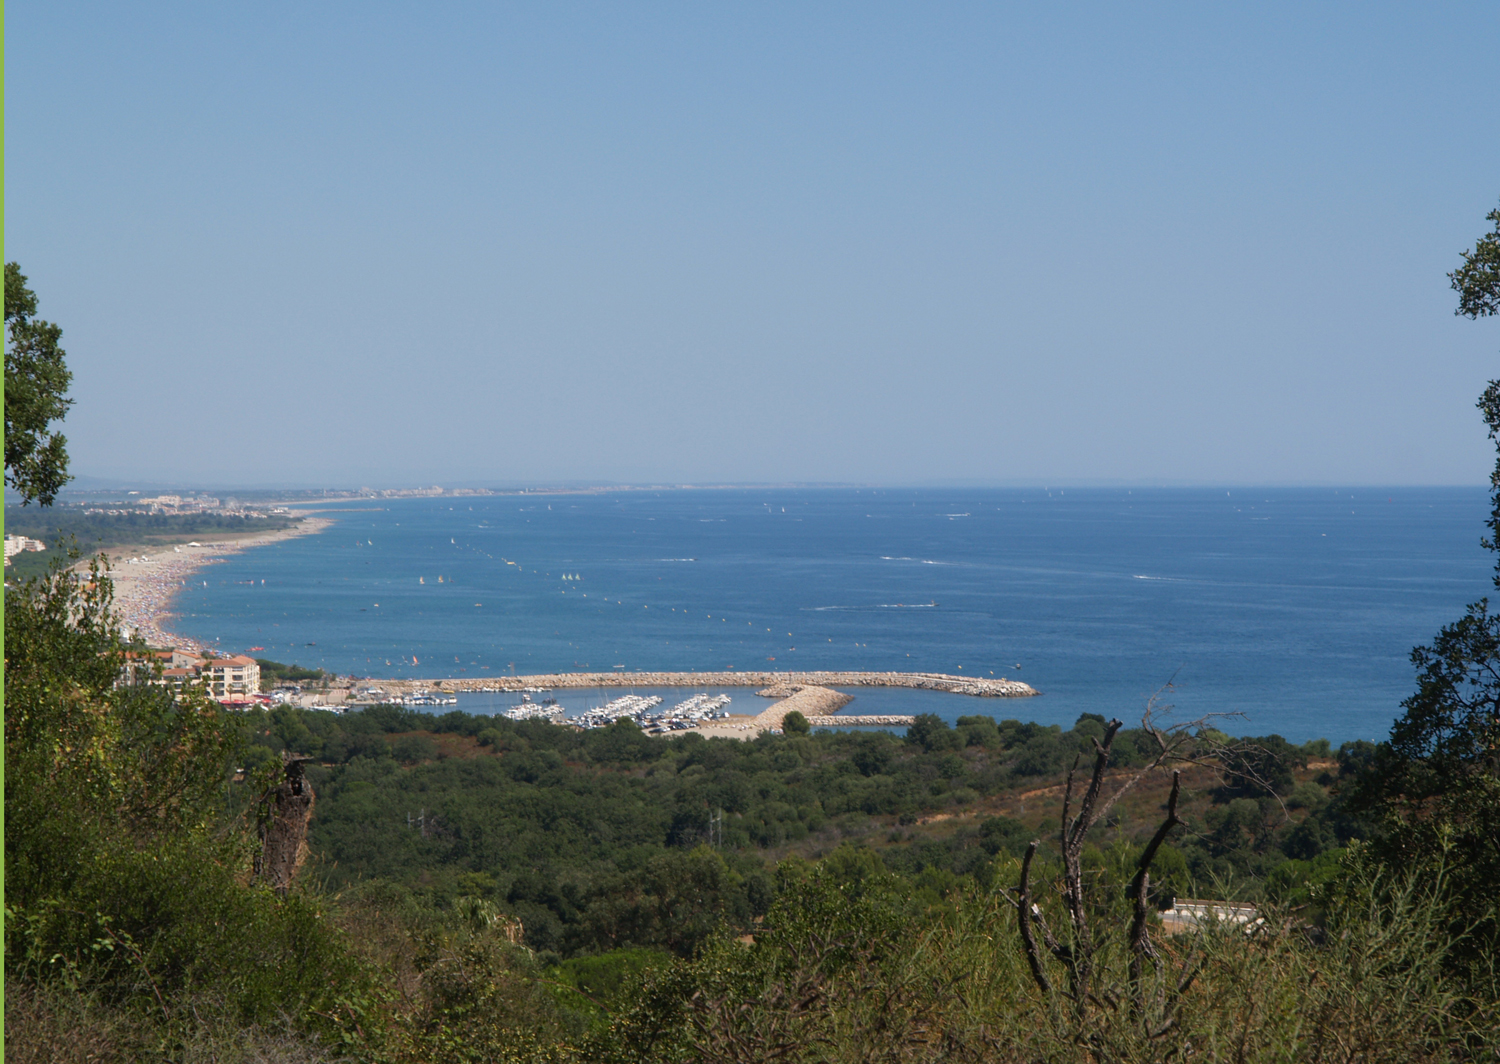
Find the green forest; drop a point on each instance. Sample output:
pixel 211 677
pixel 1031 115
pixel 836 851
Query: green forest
pixel 554 825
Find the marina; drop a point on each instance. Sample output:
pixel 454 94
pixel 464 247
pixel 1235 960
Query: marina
pixel 641 709
pixel 546 709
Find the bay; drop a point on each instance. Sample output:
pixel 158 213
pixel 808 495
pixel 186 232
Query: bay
pixel 1296 608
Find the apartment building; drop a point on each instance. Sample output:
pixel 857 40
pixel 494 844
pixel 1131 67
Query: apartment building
pixel 16 544
pixel 231 678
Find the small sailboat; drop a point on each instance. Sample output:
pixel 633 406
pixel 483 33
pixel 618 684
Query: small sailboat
pixel 420 580
pixel 440 579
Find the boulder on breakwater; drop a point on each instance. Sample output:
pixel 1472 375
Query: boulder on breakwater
pixel 810 701
pixel 854 720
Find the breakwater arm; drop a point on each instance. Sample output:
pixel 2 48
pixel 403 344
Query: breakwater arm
pixel 809 701
pixel 925 681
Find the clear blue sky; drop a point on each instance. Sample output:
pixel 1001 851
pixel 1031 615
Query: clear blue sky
pixel 442 243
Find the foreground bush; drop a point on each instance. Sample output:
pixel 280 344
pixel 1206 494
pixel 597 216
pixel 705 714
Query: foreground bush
pixel 127 872
pixel 841 975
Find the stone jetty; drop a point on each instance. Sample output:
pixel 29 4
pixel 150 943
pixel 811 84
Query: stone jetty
pixel 854 720
pixel 771 681
pixel 810 701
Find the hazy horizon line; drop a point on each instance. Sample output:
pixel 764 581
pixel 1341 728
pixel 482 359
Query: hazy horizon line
pixel 86 484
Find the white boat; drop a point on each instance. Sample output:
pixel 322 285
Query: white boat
pixel 546 709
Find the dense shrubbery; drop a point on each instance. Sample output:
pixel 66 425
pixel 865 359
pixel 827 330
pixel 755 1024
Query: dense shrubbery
pixel 556 825
pixel 274 672
pixel 848 968
pixel 125 872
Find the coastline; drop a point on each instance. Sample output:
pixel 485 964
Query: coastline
pixel 147 583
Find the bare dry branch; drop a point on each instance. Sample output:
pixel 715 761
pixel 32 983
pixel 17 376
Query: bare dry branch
pixel 1024 907
pixel 1141 948
pixel 1176 744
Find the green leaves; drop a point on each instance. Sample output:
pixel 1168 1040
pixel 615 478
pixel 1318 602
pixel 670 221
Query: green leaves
pixel 1477 281
pixel 124 870
pixel 36 383
pixel 1436 783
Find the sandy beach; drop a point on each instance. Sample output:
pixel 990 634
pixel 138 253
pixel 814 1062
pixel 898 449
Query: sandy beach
pixel 147 580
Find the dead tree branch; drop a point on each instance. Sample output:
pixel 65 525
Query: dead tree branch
pixel 1077 952
pixel 1141 948
pixel 1024 912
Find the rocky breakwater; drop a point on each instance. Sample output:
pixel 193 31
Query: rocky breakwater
pixel 925 681
pixel 854 720
pixel 810 701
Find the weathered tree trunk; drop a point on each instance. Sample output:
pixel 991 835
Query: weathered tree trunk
pixel 285 810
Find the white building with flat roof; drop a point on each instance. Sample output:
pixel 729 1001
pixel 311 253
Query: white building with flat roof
pixel 16 544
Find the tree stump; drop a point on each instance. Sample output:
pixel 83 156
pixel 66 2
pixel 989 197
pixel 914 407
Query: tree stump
pixel 285 810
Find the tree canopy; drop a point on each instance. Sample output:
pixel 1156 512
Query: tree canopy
pixel 1477 281
pixel 1437 781
pixel 36 386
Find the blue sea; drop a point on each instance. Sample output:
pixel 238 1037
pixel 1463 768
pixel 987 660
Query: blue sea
pixel 1294 608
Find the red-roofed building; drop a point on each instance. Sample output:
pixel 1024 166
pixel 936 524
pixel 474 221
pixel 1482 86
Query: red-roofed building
pixel 236 678
pixel 232 680
pixel 184 659
pixel 176 678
